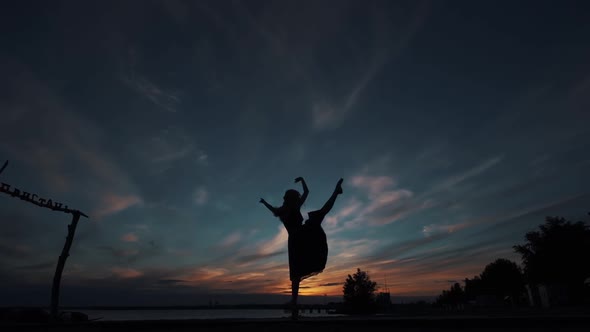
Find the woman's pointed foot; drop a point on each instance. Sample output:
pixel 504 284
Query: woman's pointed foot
pixel 339 186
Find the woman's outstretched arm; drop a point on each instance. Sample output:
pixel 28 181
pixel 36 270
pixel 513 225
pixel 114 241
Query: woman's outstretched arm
pixel 272 209
pixel 305 189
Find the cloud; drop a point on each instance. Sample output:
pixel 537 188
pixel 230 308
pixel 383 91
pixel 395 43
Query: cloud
pixel 112 203
pixel 577 96
pixel 15 251
pixel 149 90
pixel 448 252
pixel 277 244
pixel 261 251
pixel 168 148
pixel 126 273
pixel 413 267
pixel 374 184
pixel 130 237
pixel 384 205
pixel 140 252
pixel 203 274
pixel 432 229
pixel 172 282
pixel 326 115
pixel 380 204
pixel 141 227
pixel 202 157
pixel 386 199
pixel 343 250
pixel 178 10
pixel 231 240
pixel 452 181
pixel 350 208
pixel 67 150
pixel 171 154
pixel 522 217
pixel 201 196
pixel 39 266
pixel 248 259
pixel 120 252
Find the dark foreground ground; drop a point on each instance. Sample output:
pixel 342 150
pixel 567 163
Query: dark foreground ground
pixel 335 324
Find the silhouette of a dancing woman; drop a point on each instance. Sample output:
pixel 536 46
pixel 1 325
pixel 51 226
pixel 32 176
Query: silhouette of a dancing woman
pixel 307 244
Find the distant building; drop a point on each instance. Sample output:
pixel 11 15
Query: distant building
pixel 383 298
pixel 383 301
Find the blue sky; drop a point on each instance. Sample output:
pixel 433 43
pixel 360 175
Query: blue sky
pixel 457 127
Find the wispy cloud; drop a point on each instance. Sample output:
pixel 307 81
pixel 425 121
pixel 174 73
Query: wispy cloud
pixel 126 273
pixel 149 90
pixel 201 196
pixel 68 147
pixel 432 229
pixel 383 205
pixel 15 251
pixel 349 209
pixel 231 240
pixel 327 115
pixel 112 203
pixel 278 243
pixel 260 252
pixel 375 185
pixel 120 252
pixel 171 154
pixel 38 267
pixel 130 237
pixel 168 148
pixel 202 274
pixel 454 180
pixel 140 251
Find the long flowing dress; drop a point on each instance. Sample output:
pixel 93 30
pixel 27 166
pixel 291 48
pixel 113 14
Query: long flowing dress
pixel 307 245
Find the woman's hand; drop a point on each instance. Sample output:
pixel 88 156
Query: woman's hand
pixel 299 179
pixel 262 200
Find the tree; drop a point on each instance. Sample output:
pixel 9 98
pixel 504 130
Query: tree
pixel 499 281
pixel 557 254
pixel 473 288
pixel 503 279
pixel 453 297
pixel 359 293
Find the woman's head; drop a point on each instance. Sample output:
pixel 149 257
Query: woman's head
pixel 290 207
pixel 291 198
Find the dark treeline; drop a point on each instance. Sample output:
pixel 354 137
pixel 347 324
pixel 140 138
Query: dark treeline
pixel 555 272
pixel 199 307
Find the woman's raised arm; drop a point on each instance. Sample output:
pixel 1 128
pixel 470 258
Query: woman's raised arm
pixel 305 189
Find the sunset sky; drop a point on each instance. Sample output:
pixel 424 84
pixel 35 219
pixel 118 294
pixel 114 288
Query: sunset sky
pixel 456 125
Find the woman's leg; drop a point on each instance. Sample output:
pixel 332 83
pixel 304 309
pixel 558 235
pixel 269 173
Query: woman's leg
pixel 294 294
pixel 330 202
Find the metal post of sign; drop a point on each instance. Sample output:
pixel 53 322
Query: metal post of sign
pixel 61 262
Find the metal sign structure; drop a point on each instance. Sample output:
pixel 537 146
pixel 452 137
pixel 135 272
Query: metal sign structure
pixel 55 206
